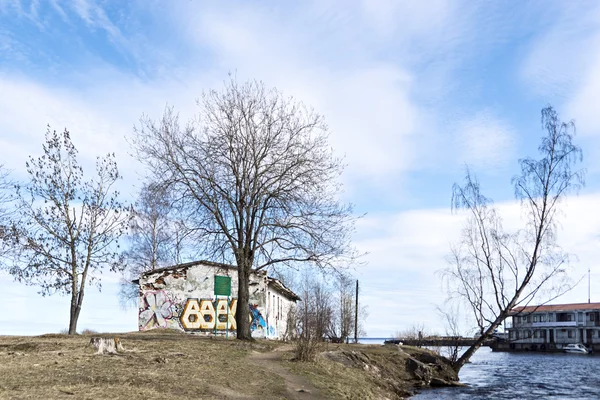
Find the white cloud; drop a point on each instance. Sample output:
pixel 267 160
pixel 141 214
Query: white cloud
pixel 563 64
pixel 95 17
pixel 583 105
pixel 409 20
pixel 561 56
pixel 485 141
pixel 562 68
pixel 368 106
pixel 99 118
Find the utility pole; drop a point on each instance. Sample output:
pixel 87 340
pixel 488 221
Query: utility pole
pixel 356 315
pixel 589 286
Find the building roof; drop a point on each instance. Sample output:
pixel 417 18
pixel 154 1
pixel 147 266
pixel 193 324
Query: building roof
pixel 276 283
pixel 188 265
pixel 557 308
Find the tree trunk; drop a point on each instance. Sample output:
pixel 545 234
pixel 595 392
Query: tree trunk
pixel 241 315
pixel 74 315
pixel 462 360
pixel 76 300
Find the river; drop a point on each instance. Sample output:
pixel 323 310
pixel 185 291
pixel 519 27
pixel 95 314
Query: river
pixel 524 376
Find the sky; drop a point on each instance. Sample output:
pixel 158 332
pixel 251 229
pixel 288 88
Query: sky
pixel 412 92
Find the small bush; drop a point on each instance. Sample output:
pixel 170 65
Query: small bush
pixel 307 349
pixel 87 331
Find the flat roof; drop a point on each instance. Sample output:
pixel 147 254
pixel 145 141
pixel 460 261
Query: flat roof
pixel 556 308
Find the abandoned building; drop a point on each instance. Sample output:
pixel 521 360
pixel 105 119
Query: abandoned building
pixel 201 297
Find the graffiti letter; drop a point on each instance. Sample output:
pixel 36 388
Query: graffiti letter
pixel 191 317
pixel 207 321
pixel 221 310
pixel 232 310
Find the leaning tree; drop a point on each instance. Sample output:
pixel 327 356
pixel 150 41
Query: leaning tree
pixel 493 270
pixel 255 178
pixel 66 228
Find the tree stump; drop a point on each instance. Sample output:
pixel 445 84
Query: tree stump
pixel 107 345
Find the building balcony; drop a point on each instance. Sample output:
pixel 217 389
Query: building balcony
pixel 554 324
pixel 529 341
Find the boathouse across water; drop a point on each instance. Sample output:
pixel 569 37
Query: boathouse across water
pixel 550 327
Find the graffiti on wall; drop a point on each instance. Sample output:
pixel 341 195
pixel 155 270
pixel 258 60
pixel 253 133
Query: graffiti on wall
pixel 206 314
pixel 156 310
pixel 257 322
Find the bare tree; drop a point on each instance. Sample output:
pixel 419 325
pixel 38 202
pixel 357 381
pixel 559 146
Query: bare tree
pixel 416 333
pixel 450 314
pixel 343 292
pixel 156 238
pixel 495 271
pixel 315 312
pixel 67 228
pixel 257 181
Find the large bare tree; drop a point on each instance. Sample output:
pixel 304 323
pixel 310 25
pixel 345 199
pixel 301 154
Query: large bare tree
pixel 494 271
pixel 66 227
pixel 257 180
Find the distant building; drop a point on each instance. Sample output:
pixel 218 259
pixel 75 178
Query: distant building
pixel 550 327
pixel 182 297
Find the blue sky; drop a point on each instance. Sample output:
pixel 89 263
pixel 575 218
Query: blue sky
pixel 411 92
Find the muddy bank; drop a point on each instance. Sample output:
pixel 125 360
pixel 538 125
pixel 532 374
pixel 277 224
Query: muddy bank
pixel 399 371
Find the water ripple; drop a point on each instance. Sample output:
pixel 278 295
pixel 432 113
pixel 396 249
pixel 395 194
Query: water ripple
pixel 524 376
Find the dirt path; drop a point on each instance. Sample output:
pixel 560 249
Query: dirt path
pixel 298 387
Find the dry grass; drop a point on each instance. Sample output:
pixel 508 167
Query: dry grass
pixel 170 364
pixel 350 371
pixel 165 365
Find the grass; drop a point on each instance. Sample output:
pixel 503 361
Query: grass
pixel 368 371
pixel 170 364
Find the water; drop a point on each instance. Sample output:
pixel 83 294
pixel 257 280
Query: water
pixel 370 340
pixel 524 376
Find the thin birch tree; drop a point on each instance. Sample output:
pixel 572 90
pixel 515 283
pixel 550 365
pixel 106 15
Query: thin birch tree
pixel 494 271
